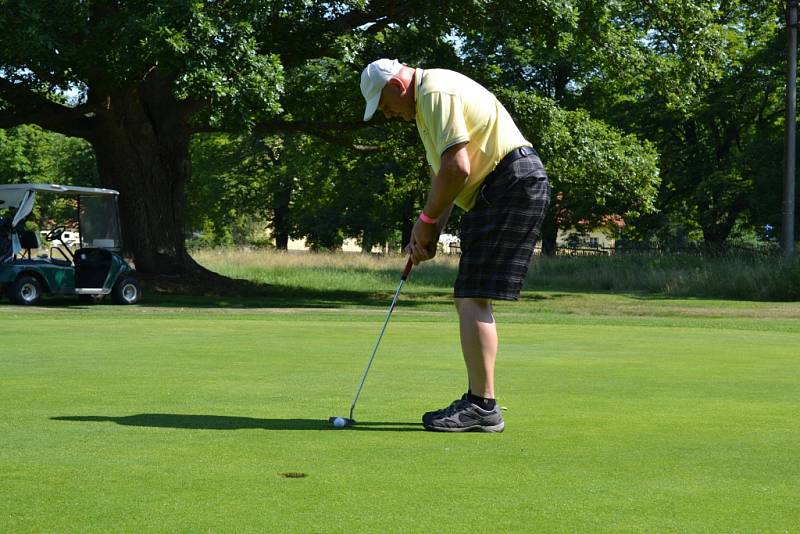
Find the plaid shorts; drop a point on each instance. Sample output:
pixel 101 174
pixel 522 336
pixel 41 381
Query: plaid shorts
pixel 499 233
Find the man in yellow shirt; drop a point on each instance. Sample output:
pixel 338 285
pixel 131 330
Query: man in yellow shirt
pixel 480 162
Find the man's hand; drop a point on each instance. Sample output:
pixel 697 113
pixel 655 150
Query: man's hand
pixel 424 240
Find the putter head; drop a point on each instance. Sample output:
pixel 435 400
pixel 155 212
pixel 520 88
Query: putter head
pixel 347 421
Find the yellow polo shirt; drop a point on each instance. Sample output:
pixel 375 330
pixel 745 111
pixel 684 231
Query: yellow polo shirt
pixel 453 109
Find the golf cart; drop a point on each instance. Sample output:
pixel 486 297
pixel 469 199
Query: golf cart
pixel 94 269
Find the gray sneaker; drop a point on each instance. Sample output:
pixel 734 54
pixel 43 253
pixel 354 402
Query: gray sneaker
pixel 437 413
pixel 463 416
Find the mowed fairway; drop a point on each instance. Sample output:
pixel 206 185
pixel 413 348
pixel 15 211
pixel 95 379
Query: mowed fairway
pixel 622 415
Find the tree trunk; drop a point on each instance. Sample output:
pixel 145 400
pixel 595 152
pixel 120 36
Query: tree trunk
pixel 141 143
pixel 549 233
pixel 282 241
pixel 715 236
pixel 718 219
pixel 280 213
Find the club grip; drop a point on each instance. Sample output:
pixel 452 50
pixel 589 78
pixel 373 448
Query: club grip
pixel 407 270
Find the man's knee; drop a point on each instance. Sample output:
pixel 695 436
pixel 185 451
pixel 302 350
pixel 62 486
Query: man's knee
pixel 473 306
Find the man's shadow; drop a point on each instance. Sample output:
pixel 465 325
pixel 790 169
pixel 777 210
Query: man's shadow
pixel 224 422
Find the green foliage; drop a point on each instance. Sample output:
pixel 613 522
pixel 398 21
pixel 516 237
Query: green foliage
pixel 208 50
pixel 709 96
pixel 303 188
pixel 29 154
pixel 216 54
pixel 701 81
pixel 232 187
pixel 668 113
pixel 342 194
pixel 595 170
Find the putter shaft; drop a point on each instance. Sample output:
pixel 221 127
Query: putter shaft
pixel 406 271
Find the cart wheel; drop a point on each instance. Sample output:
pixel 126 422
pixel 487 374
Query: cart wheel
pixel 126 291
pixel 25 291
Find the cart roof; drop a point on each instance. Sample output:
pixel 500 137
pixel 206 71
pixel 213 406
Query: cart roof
pixel 55 188
pixel 12 195
pixel 21 196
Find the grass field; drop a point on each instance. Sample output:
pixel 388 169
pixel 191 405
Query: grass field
pixel 624 412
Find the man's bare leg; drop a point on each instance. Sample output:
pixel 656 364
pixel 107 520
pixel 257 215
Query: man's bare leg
pixel 477 411
pixel 478 344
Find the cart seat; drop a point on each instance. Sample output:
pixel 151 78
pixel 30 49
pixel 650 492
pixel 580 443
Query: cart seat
pixel 29 240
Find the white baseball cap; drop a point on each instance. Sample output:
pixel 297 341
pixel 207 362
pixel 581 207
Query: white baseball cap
pixel 373 80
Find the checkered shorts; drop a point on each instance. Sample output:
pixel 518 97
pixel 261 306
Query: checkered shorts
pixel 499 233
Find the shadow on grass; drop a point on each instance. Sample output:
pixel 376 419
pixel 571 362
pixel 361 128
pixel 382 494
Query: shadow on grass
pixel 287 297
pixel 268 297
pixel 224 422
pixel 529 295
pixel 293 297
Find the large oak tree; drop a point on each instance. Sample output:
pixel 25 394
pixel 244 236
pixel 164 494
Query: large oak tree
pixel 148 75
pixel 144 77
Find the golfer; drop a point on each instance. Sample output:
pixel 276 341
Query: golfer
pixel 480 162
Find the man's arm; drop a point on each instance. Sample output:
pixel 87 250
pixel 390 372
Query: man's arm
pixel 445 187
pixel 449 182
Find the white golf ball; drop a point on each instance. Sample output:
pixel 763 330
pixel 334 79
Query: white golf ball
pixel 338 422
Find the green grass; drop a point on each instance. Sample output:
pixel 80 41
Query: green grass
pixel 625 412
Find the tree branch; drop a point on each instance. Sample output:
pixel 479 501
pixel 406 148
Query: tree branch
pixel 29 107
pixel 339 141
pixel 309 126
pixel 327 131
pixel 381 13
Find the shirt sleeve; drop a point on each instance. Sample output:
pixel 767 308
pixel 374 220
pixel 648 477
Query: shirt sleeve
pixel 446 121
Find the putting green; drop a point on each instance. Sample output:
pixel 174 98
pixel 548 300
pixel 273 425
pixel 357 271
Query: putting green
pixel 636 416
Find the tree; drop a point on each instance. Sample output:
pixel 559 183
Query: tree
pixel 232 187
pixel 150 74
pixel 595 171
pixel 701 80
pixel 707 92
pixel 485 44
pixel 30 154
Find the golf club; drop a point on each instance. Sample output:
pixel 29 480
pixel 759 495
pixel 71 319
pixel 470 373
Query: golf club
pixel 339 422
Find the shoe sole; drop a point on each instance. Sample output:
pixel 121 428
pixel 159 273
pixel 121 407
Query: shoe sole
pixel 475 428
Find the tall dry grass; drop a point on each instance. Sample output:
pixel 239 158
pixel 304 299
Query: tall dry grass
pixel 325 270
pixel 734 277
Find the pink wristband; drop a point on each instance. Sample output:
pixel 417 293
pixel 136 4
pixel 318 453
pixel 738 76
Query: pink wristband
pixel 424 218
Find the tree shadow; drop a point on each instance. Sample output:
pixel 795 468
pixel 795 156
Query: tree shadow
pixel 277 297
pixel 225 422
pixel 216 291
pixel 530 295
